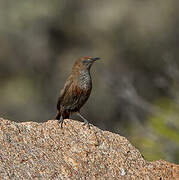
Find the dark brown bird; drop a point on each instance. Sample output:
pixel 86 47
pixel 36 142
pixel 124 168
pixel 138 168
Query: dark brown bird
pixel 76 90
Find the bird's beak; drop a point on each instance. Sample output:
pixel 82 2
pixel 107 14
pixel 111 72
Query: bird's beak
pixel 95 59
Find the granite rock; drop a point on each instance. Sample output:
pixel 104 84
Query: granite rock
pixel 32 150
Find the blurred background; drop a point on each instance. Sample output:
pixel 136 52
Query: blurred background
pixel 135 85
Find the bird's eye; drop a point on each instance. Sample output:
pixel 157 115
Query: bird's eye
pixel 85 61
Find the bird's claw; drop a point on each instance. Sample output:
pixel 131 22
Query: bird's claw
pixel 61 121
pixel 86 123
pixel 61 124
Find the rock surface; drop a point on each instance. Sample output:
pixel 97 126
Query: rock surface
pixel 33 150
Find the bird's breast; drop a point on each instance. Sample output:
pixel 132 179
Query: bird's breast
pixel 85 80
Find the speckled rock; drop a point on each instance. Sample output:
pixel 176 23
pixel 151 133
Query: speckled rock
pixel 33 150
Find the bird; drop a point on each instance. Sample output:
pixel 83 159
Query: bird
pixel 76 90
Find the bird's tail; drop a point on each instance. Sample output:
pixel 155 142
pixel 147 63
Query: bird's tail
pixel 58 115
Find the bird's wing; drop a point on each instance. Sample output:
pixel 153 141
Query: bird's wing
pixel 72 96
pixel 64 91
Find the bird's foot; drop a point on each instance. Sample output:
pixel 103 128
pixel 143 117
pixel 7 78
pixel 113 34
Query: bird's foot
pixel 84 119
pixel 86 123
pixel 61 121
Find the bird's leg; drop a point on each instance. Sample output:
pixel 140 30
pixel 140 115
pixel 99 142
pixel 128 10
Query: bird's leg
pixel 84 119
pixel 61 121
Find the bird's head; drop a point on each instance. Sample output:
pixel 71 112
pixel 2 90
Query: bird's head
pixel 85 62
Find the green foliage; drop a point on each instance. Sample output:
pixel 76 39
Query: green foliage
pixel 165 123
pixel 158 138
pixel 150 149
pixel 165 129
